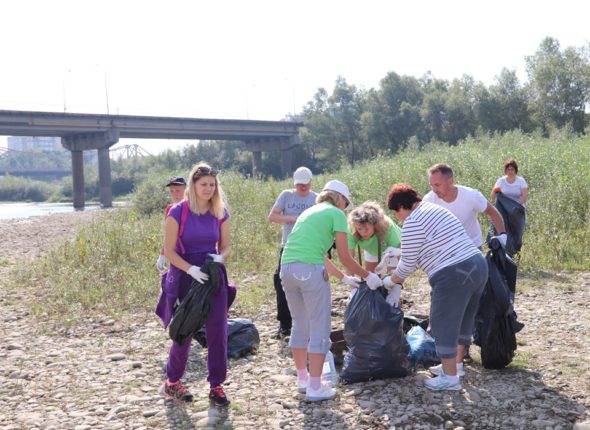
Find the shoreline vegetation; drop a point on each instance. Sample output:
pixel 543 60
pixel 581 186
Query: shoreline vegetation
pixel 108 266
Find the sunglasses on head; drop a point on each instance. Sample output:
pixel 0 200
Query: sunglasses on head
pixel 204 171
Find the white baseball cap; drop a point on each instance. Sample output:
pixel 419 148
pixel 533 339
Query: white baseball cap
pixel 302 176
pixel 339 187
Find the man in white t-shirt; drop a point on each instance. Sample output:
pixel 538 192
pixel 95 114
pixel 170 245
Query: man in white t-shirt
pixel 463 202
pixel 289 205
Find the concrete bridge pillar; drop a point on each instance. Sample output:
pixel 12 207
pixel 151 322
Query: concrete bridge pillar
pixel 83 142
pixel 256 163
pixel 78 178
pixel 285 145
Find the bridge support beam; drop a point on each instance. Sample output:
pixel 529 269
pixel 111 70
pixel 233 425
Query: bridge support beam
pixel 78 179
pixel 285 145
pixel 83 142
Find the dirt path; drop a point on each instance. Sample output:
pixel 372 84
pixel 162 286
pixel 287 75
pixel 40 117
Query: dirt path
pixel 106 374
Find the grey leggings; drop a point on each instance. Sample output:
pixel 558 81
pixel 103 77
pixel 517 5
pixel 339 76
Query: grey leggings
pixel 310 302
pixel 454 301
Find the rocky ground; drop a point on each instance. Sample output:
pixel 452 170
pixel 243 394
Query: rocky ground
pixel 106 374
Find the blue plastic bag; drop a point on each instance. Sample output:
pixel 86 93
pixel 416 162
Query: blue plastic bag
pixel 422 349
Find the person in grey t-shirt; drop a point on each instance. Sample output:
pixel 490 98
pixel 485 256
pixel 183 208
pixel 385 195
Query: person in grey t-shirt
pixel 289 205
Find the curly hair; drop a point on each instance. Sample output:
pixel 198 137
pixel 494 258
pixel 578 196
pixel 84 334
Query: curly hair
pixel 368 213
pixel 510 163
pixel 402 196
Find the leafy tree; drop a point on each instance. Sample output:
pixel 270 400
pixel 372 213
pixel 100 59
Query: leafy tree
pixel 560 83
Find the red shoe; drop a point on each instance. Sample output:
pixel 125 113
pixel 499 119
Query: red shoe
pixel 217 396
pixel 177 391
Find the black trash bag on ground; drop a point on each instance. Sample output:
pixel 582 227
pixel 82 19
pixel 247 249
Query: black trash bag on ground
pixel 494 329
pixel 242 337
pixel 190 315
pixel 373 331
pixel 514 216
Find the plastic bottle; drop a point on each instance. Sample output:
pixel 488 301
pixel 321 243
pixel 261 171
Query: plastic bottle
pixel 329 372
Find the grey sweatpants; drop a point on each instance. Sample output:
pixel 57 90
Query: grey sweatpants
pixel 454 301
pixel 310 303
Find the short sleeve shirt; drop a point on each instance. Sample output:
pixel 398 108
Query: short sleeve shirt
pixel 292 204
pixel 514 190
pixel 313 234
pixel 371 245
pixel 466 206
pixel 201 233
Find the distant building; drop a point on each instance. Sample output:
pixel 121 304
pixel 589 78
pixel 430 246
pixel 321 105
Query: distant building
pixel 35 143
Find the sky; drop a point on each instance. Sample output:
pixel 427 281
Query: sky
pixel 256 59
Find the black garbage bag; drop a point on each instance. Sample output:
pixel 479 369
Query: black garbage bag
pixel 190 315
pixel 373 331
pixel 242 337
pixel 514 216
pixel 494 329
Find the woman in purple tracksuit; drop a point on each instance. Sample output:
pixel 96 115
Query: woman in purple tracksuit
pixel 206 231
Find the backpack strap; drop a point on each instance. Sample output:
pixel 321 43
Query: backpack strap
pixel 183 218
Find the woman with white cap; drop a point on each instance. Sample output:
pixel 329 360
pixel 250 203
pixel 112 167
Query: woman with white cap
pixel 304 275
pixel 289 205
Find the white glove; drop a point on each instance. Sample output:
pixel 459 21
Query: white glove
pixel 388 283
pixel 195 272
pixel 502 239
pixel 350 281
pixel 161 263
pixel 217 258
pixel 394 295
pixel 374 281
pixel 389 259
pixel 390 251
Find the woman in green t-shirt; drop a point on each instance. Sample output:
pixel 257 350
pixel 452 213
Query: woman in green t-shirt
pixel 304 275
pixel 373 232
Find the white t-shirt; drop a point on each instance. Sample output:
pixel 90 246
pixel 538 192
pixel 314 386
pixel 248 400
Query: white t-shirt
pixel 513 190
pixel 466 206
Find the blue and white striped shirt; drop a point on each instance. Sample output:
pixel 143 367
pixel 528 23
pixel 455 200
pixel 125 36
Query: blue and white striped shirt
pixel 432 238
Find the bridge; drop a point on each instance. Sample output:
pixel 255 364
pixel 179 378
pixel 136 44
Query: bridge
pixel 84 132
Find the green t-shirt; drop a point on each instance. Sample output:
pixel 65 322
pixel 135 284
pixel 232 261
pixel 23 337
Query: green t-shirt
pixel 313 234
pixel 392 238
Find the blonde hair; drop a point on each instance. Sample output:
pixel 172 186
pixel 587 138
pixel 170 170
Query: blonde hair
pixel 329 196
pixel 217 201
pixel 369 213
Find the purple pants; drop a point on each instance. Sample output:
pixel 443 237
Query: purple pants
pixel 215 332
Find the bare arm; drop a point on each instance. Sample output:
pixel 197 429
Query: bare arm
pixel 276 215
pixel 170 239
pixel 225 240
pixel 332 269
pixel 496 218
pixel 524 196
pixel 345 258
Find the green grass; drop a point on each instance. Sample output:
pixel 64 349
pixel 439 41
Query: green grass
pixel 108 268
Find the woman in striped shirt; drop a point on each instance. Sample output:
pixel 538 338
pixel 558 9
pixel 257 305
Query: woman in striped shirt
pixel 434 240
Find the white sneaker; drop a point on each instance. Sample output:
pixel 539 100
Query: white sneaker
pixel 438 370
pixel 325 392
pixel 443 382
pixel 302 385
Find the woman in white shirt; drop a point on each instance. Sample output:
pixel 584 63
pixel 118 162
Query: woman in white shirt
pixel 511 185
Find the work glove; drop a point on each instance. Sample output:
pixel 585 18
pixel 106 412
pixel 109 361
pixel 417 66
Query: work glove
pixel 502 239
pixel 195 272
pixel 394 294
pixel 389 259
pixel 374 281
pixel 217 258
pixel 350 281
pixel 161 263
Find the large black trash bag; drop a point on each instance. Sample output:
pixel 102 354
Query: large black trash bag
pixel 514 216
pixel 242 337
pixel 190 315
pixel 373 331
pixel 494 328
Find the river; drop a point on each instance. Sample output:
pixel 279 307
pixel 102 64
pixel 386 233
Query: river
pixel 10 210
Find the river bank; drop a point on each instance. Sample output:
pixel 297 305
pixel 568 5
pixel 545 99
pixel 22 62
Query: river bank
pixel 106 373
